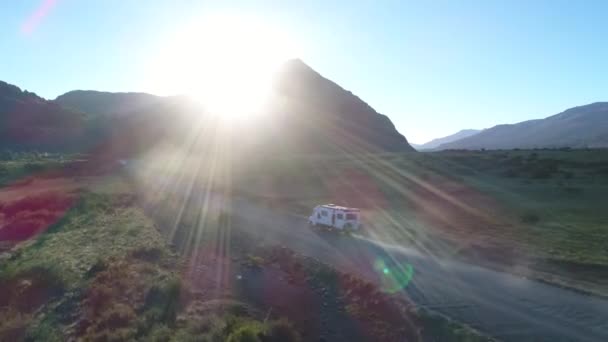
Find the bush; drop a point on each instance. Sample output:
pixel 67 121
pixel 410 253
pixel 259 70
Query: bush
pixel 31 288
pixel 247 332
pixel 33 167
pixel 13 325
pixel 544 169
pixel 281 331
pixel 603 171
pixel 147 253
pixel 164 300
pixel 255 261
pixel 511 173
pixel 117 316
pixel 160 333
pixel 515 160
pixel 571 190
pixel 530 217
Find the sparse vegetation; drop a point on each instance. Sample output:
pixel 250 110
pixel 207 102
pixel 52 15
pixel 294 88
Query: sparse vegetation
pixel 530 217
pixel 547 204
pixel 104 271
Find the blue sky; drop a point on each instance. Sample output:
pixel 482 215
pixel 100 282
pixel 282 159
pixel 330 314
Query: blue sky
pixel 434 67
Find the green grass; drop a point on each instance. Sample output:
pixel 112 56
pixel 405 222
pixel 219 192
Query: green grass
pixel 108 259
pixel 101 236
pixel 563 214
pixel 15 166
pixel 92 231
pixel 544 204
pixel 105 270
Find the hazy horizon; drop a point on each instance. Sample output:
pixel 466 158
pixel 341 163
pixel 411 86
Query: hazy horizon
pixel 433 69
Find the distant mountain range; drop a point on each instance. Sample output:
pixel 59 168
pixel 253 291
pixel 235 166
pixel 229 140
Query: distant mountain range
pixel 433 144
pixel 28 121
pixel 104 103
pixel 578 127
pixel 309 114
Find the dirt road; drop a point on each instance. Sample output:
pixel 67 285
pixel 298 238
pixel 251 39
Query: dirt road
pixel 502 305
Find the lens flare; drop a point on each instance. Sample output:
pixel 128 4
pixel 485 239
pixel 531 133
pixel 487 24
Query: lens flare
pixel 36 17
pixel 394 278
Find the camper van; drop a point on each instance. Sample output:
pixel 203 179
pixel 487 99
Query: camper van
pixel 335 216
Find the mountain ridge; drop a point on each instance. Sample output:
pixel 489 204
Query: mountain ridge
pixel 433 144
pixel 312 114
pixel 583 126
pixel 28 121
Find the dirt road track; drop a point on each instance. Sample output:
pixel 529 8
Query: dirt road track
pixel 502 305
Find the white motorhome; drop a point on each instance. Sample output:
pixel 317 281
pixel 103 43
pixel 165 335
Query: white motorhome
pixel 335 216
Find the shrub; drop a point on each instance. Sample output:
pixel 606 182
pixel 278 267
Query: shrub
pixel 571 190
pixel 117 316
pixel 13 325
pixel 255 261
pixel 247 332
pixel 603 171
pixel 164 300
pixel 33 167
pixel 511 173
pixel 281 331
pixel 47 330
pixel 160 333
pixel 515 160
pixel 31 288
pixel 529 217
pixel 544 169
pixel 97 267
pixel 326 276
pixel 147 253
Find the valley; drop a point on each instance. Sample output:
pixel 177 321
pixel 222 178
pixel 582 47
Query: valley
pixel 429 218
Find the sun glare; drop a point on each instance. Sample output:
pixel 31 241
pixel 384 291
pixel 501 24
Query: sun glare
pixel 227 62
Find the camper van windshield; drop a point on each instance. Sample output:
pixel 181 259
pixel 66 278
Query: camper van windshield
pixel 351 216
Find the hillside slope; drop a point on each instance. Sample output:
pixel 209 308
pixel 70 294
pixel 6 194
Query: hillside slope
pixel 307 114
pixel 433 144
pixel 321 111
pixel 28 121
pixel 578 127
pixel 106 103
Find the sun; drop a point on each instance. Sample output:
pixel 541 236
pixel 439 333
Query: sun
pixel 225 61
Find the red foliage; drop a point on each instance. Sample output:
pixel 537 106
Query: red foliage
pixel 23 218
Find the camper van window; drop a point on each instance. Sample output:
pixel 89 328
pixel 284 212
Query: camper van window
pixel 351 216
pixel 323 213
pixel 340 216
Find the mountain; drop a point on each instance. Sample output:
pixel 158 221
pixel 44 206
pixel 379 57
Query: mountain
pixel 578 127
pixel 28 121
pixel 319 115
pixel 307 114
pixel 433 144
pixel 106 103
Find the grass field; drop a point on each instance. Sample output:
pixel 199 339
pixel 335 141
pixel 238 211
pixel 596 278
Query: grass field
pixel 539 213
pixel 105 266
pixel 99 263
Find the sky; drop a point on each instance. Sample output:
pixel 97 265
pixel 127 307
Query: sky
pixel 434 67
